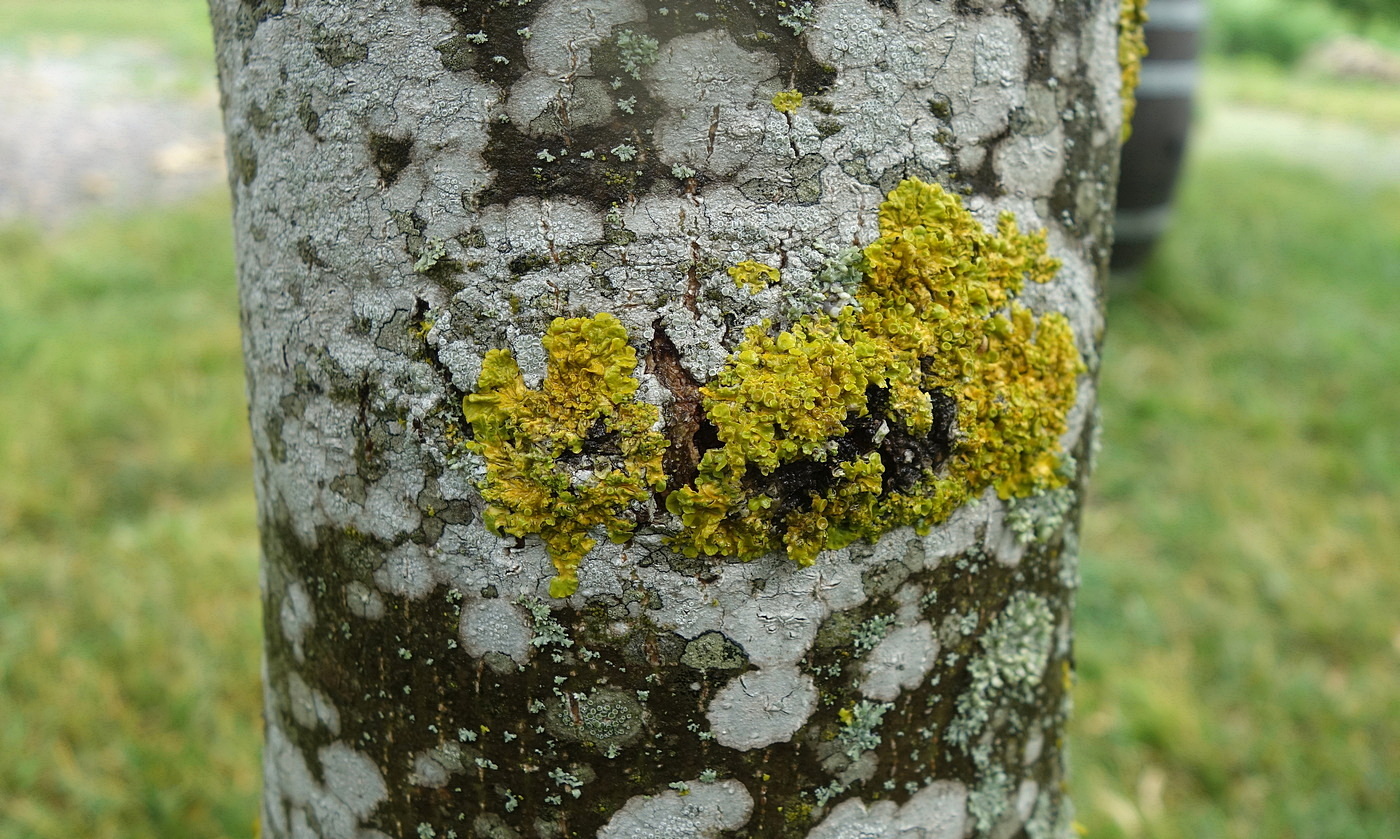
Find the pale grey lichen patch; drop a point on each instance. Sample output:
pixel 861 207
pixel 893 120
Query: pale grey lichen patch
pixel 434 767
pixel 310 707
pixel 363 601
pixel 990 801
pixel 352 778
pixel 349 792
pixel 712 651
pixel 899 662
pixel 1020 810
pixel 860 727
pixel 389 511
pixel 1052 818
pixel 1039 516
pixel 545 105
pixel 898 66
pixel 704 812
pixel 564 32
pixel 709 86
pixel 296 616
pixel 938 811
pixel 964 529
pixel 1030 165
pixel 762 707
pixel 1099 51
pixel 406 572
pixel 495 625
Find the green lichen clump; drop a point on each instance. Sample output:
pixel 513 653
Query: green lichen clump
pixel 576 454
pixel 1132 49
pixel 934 324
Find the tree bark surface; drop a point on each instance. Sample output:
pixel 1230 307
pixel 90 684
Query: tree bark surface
pixel 420 185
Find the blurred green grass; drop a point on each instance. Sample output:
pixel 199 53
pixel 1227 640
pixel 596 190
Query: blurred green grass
pixel 1238 640
pixel 178 27
pixel 129 617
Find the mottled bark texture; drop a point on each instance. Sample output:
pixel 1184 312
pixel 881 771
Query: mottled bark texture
pixel 420 182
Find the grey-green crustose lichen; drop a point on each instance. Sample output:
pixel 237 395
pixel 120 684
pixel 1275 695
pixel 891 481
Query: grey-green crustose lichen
pixel 931 386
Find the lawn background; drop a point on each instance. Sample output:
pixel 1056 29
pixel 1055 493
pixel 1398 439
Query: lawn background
pixel 1238 630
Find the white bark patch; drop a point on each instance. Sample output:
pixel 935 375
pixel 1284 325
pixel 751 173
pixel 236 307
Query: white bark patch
pixel 351 790
pixel 433 767
pixel 297 616
pixel 352 778
pixel 389 509
pixel 938 811
pixel 1031 166
pixel 406 572
pixel 310 708
pixel 763 707
pixel 495 625
pixel 564 33
pixel 707 810
pixel 716 97
pixel 899 662
pixel 363 601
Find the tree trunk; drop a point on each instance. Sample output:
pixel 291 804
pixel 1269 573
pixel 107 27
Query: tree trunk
pixel 657 432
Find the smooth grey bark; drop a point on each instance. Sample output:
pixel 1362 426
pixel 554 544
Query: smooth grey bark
pixel 417 183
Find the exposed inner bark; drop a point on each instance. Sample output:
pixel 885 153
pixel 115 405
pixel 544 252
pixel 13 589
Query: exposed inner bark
pixel 688 434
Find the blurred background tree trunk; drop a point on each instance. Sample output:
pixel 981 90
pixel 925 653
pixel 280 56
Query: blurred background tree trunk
pixel 452 646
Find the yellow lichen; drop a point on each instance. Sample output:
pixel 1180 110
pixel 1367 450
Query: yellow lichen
pixel 754 276
pixel 1132 49
pixel 935 323
pixel 787 101
pixel 575 455
pixel 935 385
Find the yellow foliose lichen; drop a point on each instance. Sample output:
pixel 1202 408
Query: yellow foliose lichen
pixel 575 455
pixel 787 101
pixel 936 385
pixel 1132 49
pixel 754 276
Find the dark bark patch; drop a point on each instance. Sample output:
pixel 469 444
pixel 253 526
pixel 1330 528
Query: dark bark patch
pixel 488 37
pixel 261 10
pixel 457 53
pixel 390 155
pixel 307 116
pixel 339 50
pixel 244 159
